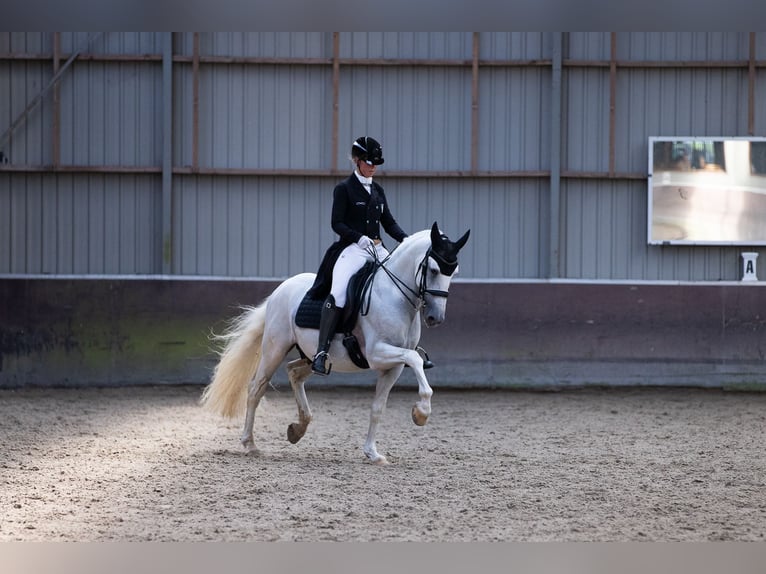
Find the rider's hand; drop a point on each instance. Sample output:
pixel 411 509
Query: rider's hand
pixel 365 242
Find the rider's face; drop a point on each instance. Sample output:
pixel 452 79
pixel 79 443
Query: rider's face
pixel 365 169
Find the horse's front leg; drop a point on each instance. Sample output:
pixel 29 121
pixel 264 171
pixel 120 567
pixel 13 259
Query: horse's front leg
pixel 388 355
pixel 386 380
pixel 421 410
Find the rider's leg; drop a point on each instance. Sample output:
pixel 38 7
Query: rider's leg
pixel 327 325
pixel 351 259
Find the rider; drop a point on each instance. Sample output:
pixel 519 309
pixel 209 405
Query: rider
pixel 359 208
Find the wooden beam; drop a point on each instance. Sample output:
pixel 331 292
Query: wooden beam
pixel 612 98
pixel 475 105
pixel 269 172
pixel 56 135
pixel 335 99
pixel 195 102
pixel 751 87
pixel 167 154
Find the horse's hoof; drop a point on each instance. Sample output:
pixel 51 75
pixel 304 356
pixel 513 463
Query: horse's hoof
pixel 294 435
pixel 382 461
pixel 418 417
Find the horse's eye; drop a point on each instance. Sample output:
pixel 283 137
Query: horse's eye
pixel 434 272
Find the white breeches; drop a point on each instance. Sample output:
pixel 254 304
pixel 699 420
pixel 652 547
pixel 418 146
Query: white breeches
pixel 351 260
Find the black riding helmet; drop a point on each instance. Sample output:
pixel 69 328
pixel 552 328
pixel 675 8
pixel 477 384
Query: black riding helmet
pixel 368 150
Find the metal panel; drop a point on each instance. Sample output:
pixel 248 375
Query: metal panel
pixel 251 227
pixel 514 119
pixel 515 46
pixel 279 116
pixel 90 224
pixel 760 108
pixel 6 219
pixel 605 235
pixel 260 117
pixel 588 46
pixel 422 117
pixel 602 238
pixel 117 43
pixel 24 42
pixel 682 46
pixel 503 215
pixel 257 44
pixel 20 82
pixel 278 227
pixel 585 116
pixel 695 102
pixel 111 114
pixel 407 45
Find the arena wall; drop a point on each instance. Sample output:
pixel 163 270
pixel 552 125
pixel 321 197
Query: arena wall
pixel 540 334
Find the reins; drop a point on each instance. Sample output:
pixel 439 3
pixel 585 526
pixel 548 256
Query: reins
pixel 419 295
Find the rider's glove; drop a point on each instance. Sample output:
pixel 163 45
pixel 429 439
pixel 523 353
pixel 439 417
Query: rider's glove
pixel 365 243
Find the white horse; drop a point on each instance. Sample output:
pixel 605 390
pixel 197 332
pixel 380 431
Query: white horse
pixel 413 280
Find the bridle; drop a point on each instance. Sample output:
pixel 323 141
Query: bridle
pixel 445 267
pixel 418 297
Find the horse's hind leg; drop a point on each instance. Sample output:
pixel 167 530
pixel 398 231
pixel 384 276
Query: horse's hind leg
pixel 298 371
pixel 255 391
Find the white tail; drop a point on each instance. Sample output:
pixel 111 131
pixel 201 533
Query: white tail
pixel 226 394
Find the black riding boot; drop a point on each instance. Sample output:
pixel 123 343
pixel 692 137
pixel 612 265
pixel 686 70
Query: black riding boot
pixel 327 324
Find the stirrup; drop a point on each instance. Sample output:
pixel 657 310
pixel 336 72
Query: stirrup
pixel 427 363
pixel 315 366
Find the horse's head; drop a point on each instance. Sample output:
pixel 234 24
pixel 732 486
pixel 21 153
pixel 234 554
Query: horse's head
pixel 436 272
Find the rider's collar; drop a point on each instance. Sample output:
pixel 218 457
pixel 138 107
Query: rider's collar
pixel 363 180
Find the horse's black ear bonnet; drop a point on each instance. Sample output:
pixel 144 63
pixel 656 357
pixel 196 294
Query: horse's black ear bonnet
pixel 447 260
pixel 444 251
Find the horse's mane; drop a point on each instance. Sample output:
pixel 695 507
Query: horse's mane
pixel 417 235
pixel 412 240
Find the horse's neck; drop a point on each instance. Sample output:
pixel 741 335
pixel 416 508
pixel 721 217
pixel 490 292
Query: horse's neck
pixel 394 292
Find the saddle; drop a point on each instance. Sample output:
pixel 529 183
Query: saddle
pixel 310 311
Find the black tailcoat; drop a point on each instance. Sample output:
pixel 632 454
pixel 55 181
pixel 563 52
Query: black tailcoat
pixel 354 213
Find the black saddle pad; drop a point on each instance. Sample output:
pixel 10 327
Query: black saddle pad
pixel 309 313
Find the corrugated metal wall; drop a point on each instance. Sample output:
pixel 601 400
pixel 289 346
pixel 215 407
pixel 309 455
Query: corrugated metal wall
pixel 466 123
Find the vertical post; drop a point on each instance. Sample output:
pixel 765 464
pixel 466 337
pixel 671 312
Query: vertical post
pixel 612 99
pixel 56 135
pixel 554 268
pixel 195 103
pixel 167 153
pixel 751 87
pixel 335 98
pixel 475 106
